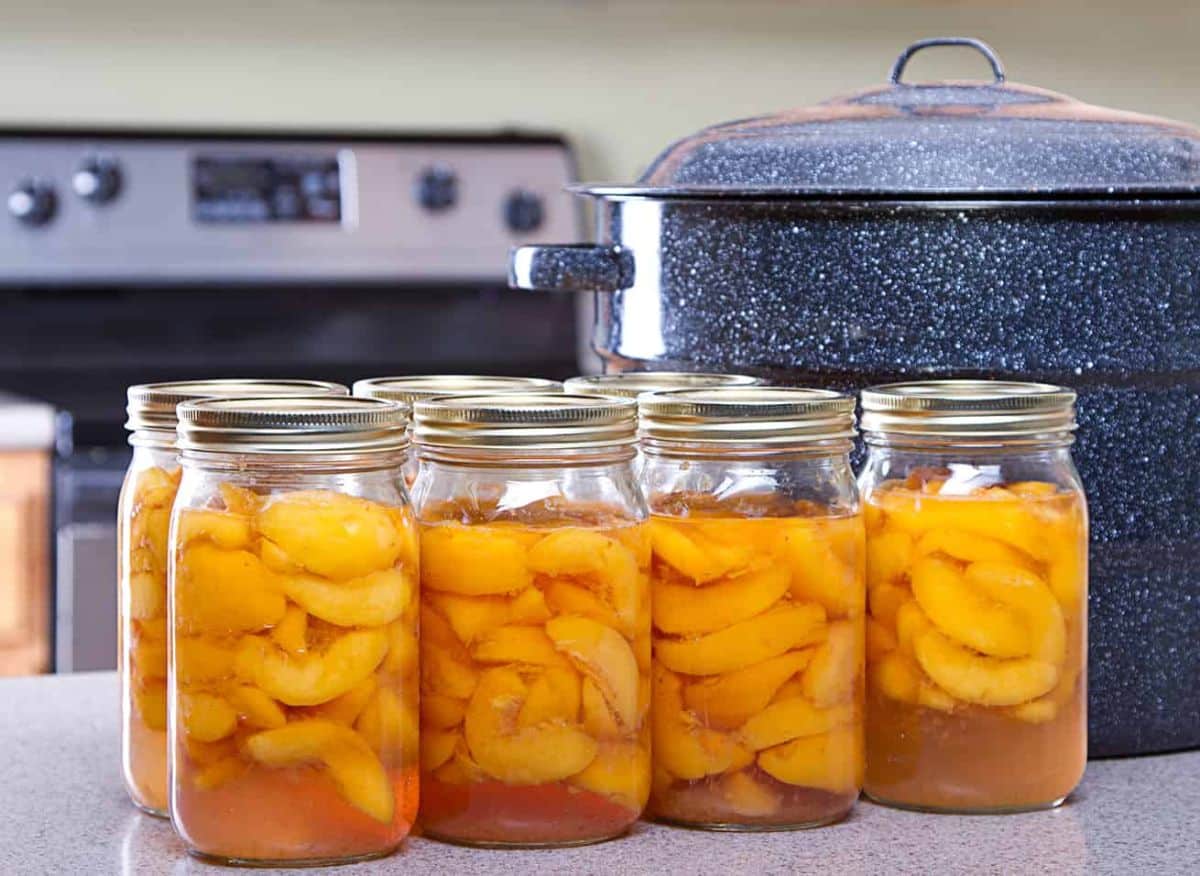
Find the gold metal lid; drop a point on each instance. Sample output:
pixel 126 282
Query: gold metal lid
pixel 968 409
pixel 152 405
pixel 525 421
pixel 293 424
pixel 421 386
pixel 631 384
pixel 747 415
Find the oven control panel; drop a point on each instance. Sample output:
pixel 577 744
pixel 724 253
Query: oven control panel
pixel 124 207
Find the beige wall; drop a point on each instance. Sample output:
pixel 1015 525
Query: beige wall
pixel 621 77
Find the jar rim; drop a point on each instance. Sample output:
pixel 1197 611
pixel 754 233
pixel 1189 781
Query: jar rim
pixel 525 421
pixel 631 384
pixel 968 409
pixel 415 387
pixel 747 415
pixel 151 407
pixel 321 424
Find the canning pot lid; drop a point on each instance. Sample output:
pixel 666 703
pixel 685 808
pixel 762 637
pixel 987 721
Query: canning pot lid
pixel 151 406
pixel 747 415
pixel 292 424
pixel 931 140
pixel 412 388
pixel 968 409
pixel 631 384
pixel 527 421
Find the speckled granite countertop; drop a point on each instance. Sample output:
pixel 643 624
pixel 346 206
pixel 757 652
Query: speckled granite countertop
pixel 63 811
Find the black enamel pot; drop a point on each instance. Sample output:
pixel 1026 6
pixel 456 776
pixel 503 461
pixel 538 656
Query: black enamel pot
pixel 952 229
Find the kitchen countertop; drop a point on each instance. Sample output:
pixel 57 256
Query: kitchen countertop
pixel 63 811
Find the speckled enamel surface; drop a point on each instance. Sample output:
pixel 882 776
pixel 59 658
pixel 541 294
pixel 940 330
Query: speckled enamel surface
pixel 66 813
pixel 1102 297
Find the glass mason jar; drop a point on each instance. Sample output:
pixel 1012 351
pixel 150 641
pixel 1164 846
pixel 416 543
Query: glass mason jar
pixel 142 518
pixel 410 390
pixel 977 573
pixel 293 629
pixel 758 601
pixel 631 384
pixel 535 620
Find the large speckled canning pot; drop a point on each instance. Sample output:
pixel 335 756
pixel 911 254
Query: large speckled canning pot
pixel 952 229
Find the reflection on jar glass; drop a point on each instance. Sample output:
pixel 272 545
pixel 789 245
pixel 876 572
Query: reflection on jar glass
pixel 293 590
pixel 977 569
pixel 143 516
pixel 535 620
pixel 411 389
pixel 758 602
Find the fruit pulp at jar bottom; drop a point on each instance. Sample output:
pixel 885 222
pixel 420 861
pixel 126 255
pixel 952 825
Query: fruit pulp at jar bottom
pixel 496 813
pixel 146 766
pixel 972 759
pixel 702 803
pixel 293 814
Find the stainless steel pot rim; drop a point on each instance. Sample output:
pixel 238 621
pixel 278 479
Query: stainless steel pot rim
pixel 152 406
pixel 413 388
pixel 1185 195
pixel 968 408
pixel 632 384
pixel 530 421
pixel 292 424
pixel 747 415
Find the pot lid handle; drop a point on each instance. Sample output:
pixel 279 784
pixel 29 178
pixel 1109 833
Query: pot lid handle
pixel 979 46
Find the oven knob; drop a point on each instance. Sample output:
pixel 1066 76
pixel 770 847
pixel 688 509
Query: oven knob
pixel 437 188
pixel 32 202
pixel 97 180
pixel 523 211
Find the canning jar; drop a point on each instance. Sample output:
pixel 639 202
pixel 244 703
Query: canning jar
pixel 143 514
pixel 535 620
pixel 411 389
pixel 758 600
pixel 293 607
pixel 977 573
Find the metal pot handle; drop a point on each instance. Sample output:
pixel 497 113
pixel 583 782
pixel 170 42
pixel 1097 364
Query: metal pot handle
pixel 979 46
pixel 570 267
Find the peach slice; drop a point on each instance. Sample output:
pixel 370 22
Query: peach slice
pixel 750 641
pixel 682 746
pixel 442 712
pixel 965 612
pixel 472 560
pixel 346 708
pixel 566 598
pixel 621 772
pixel 694 556
pixel 830 761
pixel 218 591
pixel 879 639
pixel 969 548
pixel 205 717
pixel 390 726
pixel 686 609
pixel 471 616
pixel 373 600
pixel 148 530
pixel 517 644
pixel 200 660
pixel 147 595
pixel 443 673
pixel 836 665
pixel 602 654
pixel 977 678
pixel 255 708
pixel 598 718
pixel 276 560
pixel 604 563
pixel 790 719
pixel 437 747
pixel 1009 520
pixel 517 755
pixel 1028 595
pixel 150 658
pixel 332 534
pixel 291 633
pixel 222 772
pixel 889 554
pixel 897 677
pixel 819 574
pixel 356 771
pixel 222 528
pixel 314 677
pixel 885 601
pixel 554 695
pixel 150 701
pixel 402 657
pixel 728 701
pixel 156 487
pixel 748 797
pixel 239 500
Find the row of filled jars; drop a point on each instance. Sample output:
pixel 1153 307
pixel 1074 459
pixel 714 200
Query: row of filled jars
pixel 705 618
